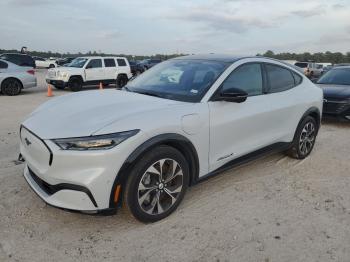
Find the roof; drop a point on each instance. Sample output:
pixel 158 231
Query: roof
pixel 96 57
pixel 212 57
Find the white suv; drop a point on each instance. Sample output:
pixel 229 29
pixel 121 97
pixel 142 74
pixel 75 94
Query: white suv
pixel 90 71
pixel 178 123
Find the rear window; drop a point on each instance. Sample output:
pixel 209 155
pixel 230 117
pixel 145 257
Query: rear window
pixel 280 79
pixel 121 62
pixel 3 65
pixel 109 62
pixel 302 65
pixel 298 79
pixel 18 59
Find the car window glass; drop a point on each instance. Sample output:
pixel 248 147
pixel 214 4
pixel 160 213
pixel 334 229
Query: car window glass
pixel 95 63
pixel 247 77
pixel 280 79
pixel 109 62
pixel 298 79
pixel 121 62
pixel 3 65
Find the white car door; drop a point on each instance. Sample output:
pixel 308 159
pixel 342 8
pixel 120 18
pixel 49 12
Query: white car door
pixel 94 70
pixel 110 69
pixel 237 129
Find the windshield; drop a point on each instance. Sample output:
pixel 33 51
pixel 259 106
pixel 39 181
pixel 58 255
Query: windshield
pixel 182 80
pixel 337 76
pixel 77 62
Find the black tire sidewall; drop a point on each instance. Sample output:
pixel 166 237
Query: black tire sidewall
pixel 75 88
pixel 121 81
pixel 6 83
pixel 298 134
pixel 131 192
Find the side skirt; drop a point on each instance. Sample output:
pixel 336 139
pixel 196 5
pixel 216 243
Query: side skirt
pixel 274 148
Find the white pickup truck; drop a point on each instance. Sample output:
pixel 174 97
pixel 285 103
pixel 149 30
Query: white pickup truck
pixel 90 71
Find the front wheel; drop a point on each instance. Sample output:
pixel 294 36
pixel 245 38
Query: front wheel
pixel 304 139
pixel 75 84
pixel 157 184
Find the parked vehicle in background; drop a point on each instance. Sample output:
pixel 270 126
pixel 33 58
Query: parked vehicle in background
pixel 64 61
pixel 311 69
pixel 19 59
pixel 336 89
pixel 14 78
pixel 171 127
pixel 46 63
pixel 326 68
pixel 90 71
pixel 136 68
pixel 148 63
pixel 342 64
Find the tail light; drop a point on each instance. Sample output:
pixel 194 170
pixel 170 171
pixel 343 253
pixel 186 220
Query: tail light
pixel 31 72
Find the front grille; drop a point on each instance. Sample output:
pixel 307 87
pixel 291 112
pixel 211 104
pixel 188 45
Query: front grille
pixel 335 107
pixel 47 188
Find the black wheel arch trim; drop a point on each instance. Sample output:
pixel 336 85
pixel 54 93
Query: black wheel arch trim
pixel 179 142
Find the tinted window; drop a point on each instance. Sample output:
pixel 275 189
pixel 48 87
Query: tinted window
pixel 121 62
pixel 3 65
pixel 109 62
pixel 337 76
pixel 247 77
pixel 280 79
pixel 302 65
pixel 94 63
pixel 298 79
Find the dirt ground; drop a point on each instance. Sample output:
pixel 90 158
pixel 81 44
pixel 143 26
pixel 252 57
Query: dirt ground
pixel 274 209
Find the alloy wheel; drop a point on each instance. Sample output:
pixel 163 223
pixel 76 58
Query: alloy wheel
pixel 307 138
pixel 160 186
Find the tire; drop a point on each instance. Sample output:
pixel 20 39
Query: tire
pixel 121 81
pixel 304 138
pixel 75 84
pixel 52 66
pixel 105 84
pixel 144 198
pixel 11 87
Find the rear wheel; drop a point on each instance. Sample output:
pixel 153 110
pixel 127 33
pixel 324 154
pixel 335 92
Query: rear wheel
pixel 156 184
pixel 11 87
pixel 304 139
pixel 75 84
pixel 121 81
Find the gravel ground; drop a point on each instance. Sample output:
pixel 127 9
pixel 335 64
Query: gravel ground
pixel 274 209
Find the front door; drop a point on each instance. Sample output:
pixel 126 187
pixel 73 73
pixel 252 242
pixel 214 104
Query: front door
pixel 94 70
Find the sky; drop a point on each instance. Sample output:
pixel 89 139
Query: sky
pixel 147 27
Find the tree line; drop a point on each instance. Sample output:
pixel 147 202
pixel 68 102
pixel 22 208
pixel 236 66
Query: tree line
pixel 49 54
pixel 326 57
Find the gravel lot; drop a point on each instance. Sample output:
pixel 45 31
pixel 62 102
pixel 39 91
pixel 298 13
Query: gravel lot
pixel 274 209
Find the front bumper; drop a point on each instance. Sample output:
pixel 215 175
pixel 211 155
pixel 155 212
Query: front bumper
pixel 58 83
pixel 337 108
pixel 75 180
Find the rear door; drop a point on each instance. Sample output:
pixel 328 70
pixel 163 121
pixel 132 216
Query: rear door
pixel 110 69
pixel 94 70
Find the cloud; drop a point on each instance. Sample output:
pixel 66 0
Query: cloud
pixel 109 34
pixel 27 3
pixel 313 11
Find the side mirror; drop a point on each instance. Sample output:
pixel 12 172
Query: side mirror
pixel 235 95
pixel 88 67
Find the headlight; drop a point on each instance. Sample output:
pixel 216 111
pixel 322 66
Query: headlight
pixel 62 74
pixel 94 142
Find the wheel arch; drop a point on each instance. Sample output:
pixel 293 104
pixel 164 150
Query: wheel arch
pixel 179 142
pixel 11 77
pixel 76 76
pixel 122 75
pixel 315 113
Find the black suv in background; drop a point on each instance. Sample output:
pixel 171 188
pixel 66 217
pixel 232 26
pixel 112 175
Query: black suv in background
pixel 136 68
pixel 148 63
pixel 19 59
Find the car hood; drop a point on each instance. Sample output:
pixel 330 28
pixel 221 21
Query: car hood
pixel 85 113
pixel 66 69
pixel 335 91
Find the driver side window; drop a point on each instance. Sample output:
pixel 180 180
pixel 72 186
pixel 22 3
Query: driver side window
pixel 94 63
pixel 247 77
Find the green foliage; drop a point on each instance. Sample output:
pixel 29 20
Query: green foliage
pixel 327 57
pixel 90 53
